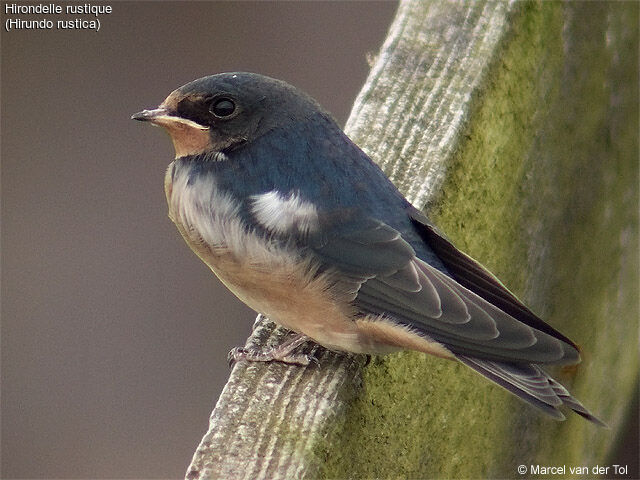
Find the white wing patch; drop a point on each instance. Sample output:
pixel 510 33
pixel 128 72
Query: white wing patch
pixel 281 214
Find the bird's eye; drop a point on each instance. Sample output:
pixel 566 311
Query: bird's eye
pixel 222 107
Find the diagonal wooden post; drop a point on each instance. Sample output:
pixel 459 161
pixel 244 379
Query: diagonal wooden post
pixel 516 125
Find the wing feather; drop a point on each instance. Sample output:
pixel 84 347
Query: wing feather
pixel 488 332
pixel 472 275
pixel 531 384
pixel 457 302
pixel 385 277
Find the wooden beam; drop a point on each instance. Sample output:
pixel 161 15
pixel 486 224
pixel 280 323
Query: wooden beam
pixel 516 125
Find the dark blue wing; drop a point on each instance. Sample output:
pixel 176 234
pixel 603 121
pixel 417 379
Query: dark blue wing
pixel 386 262
pixel 386 277
pixel 475 277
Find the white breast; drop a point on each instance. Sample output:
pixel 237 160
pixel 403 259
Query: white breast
pixel 271 278
pixel 205 215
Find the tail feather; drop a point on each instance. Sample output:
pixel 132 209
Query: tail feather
pixel 530 383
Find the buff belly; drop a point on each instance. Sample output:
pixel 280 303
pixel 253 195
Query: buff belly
pixel 275 281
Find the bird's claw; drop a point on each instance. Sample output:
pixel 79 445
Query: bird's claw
pixel 259 319
pixel 272 355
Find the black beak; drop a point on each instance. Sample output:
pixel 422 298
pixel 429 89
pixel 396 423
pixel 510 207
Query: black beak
pixel 149 115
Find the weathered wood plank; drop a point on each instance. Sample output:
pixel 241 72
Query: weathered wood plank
pixel 516 123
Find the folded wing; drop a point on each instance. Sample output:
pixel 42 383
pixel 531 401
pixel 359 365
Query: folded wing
pixel 386 277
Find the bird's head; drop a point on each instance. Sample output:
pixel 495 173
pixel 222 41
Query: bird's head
pixel 222 112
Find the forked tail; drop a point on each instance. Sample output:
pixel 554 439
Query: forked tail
pixel 533 385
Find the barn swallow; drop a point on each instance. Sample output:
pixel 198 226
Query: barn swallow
pixel 305 228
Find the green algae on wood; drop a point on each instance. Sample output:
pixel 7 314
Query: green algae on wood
pixel 532 151
pixel 541 194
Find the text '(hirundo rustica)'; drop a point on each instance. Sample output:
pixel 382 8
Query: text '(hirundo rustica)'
pixel 44 23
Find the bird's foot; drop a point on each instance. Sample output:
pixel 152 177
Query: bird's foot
pixel 237 354
pixel 282 353
pixel 259 319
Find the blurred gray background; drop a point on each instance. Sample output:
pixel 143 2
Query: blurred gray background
pixel 114 334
